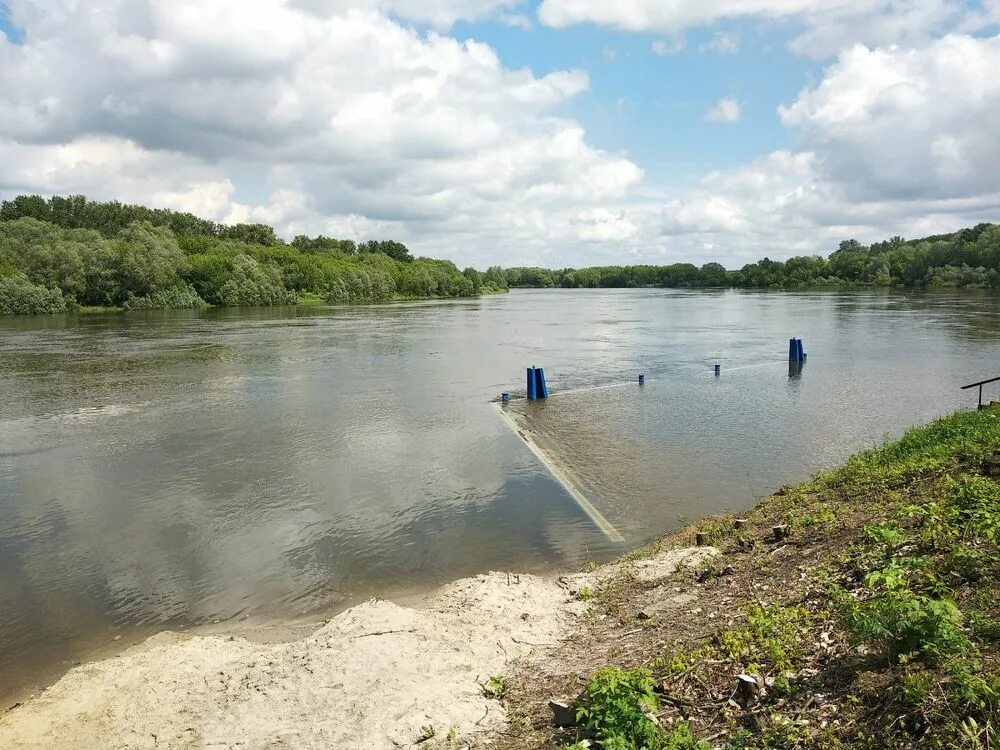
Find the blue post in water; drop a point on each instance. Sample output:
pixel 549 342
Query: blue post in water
pixel 642 379
pixel 532 393
pixel 541 389
pixel 796 353
pixel 505 397
pixel 718 370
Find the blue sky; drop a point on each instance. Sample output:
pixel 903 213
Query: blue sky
pixel 587 132
pixel 653 106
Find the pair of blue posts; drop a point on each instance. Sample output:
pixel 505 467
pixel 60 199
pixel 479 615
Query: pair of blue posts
pixel 537 389
pixel 796 352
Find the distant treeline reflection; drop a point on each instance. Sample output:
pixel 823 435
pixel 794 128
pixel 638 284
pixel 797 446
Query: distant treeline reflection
pixel 63 252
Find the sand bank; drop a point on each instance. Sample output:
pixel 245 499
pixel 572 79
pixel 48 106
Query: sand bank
pixel 376 676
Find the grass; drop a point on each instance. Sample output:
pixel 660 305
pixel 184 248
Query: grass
pixel 875 624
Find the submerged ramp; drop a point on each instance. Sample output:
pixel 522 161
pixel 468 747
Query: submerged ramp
pixel 561 475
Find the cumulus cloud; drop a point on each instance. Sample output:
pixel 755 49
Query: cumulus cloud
pixel 907 122
pixel 334 117
pixel 727 109
pixel 826 25
pixel 890 140
pixel 352 121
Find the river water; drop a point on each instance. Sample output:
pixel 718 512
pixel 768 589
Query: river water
pixel 164 470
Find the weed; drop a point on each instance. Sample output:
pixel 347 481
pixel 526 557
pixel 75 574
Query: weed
pixel 772 632
pixel 902 622
pixel 617 706
pixel 620 706
pixel 585 594
pixel 495 688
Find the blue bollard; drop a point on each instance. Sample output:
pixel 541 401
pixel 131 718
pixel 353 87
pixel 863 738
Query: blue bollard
pixel 718 370
pixel 642 379
pixel 505 397
pixel 541 389
pixel 532 392
pixel 796 353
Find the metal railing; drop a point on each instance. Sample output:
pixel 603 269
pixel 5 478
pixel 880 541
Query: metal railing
pixel 980 384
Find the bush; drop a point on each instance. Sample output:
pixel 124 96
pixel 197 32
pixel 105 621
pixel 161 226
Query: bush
pixel 179 297
pixel 253 284
pixel 902 622
pixel 18 296
pixel 618 705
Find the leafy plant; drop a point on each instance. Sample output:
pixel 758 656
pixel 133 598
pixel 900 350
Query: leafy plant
pixel 770 631
pixel 495 688
pixel 903 622
pixel 619 707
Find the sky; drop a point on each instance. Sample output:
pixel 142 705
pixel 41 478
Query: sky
pixel 542 132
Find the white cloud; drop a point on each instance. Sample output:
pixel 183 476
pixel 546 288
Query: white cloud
pixel 316 118
pixel 722 42
pixel 899 121
pixel 826 25
pixel 727 109
pixel 352 121
pixel 671 45
pixel 890 141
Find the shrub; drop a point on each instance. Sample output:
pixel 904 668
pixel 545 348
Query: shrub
pixel 619 706
pixel 18 296
pixel 903 622
pixel 182 296
pixel 253 284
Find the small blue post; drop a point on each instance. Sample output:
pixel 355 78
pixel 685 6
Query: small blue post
pixel 532 392
pixel 541 389
pixel 505 397
pixel 793 351
pixel 642 379
pixel 718 370
pixel 801 351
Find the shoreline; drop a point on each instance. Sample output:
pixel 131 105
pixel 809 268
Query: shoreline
pixel 424 672
pixel 477 661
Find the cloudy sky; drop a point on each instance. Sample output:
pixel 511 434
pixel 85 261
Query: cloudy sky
pixel 549 132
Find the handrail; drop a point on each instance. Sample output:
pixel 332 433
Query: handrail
pixel 981 383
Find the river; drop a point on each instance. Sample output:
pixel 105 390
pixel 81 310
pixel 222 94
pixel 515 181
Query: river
pixel 167 470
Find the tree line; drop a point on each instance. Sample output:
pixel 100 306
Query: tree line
pixel 63 252
pixel 968 258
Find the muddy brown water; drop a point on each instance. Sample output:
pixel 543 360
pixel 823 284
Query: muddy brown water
pixel 168 470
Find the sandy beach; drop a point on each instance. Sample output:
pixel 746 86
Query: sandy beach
pixel 378 675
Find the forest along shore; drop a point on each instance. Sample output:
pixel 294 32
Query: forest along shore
pixel 859 609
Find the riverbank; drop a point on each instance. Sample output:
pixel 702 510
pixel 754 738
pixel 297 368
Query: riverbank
pixel 376 676
pixel 860 609
pixel 304 300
